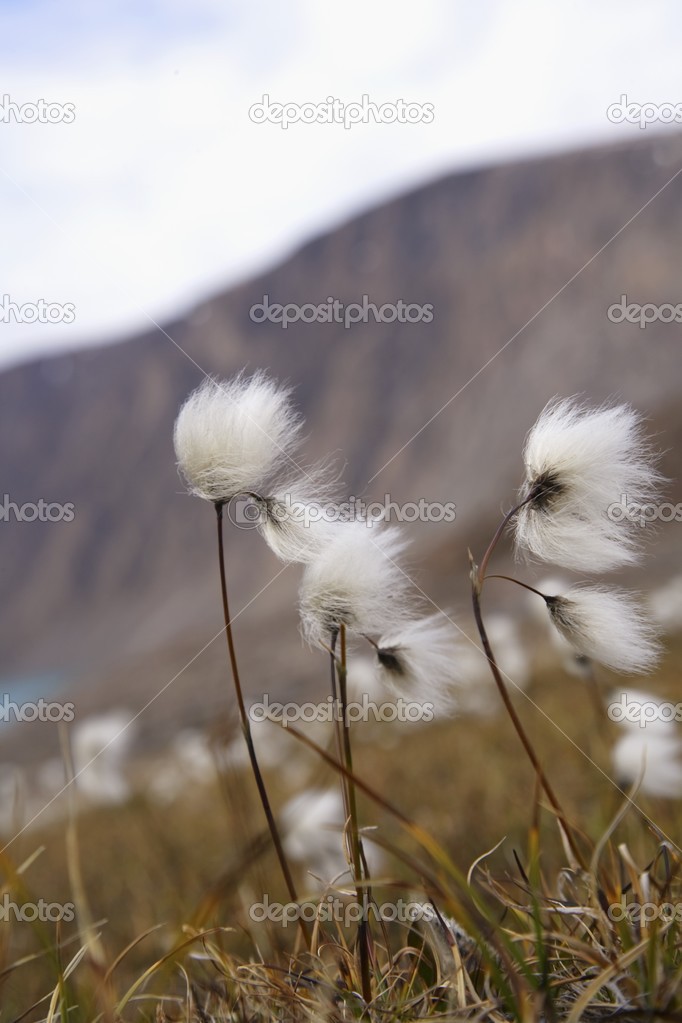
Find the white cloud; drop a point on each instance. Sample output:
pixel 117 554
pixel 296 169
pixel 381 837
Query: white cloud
pixel 163 190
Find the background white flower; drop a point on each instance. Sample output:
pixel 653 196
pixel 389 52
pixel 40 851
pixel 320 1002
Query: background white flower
pixel 652 759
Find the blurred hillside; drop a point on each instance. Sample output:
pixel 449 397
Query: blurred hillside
pixel 519 264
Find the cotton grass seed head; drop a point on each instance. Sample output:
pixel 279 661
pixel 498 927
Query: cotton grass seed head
pixel 299 516
pixel 355 581
pixel 419 661
pixel 580 465
pixel 606 625
pixel 230 435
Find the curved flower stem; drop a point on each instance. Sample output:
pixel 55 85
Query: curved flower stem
pixel 476 586
pixel 498 533
pixel 246 729
pixel 511 579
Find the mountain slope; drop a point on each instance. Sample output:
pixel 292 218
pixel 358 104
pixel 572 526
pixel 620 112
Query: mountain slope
pixel 508 257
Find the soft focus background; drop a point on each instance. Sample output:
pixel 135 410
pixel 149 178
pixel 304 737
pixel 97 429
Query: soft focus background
pixel 161 214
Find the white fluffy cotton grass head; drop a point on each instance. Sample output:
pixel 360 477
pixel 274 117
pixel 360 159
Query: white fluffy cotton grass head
pixel 230 435
pixel 419 662
pixel 581 462
pixel 608 626
pixel 355 581
pixel 298 517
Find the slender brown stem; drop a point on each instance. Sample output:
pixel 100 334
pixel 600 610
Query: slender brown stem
pixel 495 540
pixel 338 725
pixel 590 677
pixel 357 855
pixel 516 721
pixel 246 729
pixel 511 579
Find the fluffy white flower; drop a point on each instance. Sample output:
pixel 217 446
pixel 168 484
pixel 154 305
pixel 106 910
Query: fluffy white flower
pixel 186 766
pixel 100 747
pixel 229 435
pixel 314 822
pixel 572 662
pixel 654 759
pixel 606 625
pixel 637 710
pixel 355 581
pixel 580 463
pixel 419 661
pixel 298 518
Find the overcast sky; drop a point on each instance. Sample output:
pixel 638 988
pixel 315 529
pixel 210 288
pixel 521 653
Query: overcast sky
pixel 157 188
